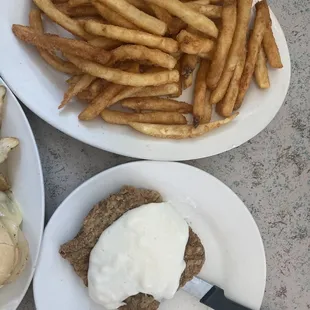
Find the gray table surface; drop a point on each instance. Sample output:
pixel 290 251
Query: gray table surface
pixel 271 173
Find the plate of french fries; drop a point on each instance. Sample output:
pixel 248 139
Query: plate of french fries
pixel 152 79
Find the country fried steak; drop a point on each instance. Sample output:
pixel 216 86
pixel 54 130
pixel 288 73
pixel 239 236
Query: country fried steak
pixel 106 212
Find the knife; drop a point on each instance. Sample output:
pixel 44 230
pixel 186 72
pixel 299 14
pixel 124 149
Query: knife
pixel 211 295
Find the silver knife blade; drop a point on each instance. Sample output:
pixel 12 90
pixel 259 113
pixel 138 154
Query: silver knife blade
pixel 197 287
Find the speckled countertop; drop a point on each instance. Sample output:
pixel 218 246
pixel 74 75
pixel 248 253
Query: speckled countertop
pixel 271 173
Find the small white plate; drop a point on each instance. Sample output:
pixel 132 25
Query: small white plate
pixel 235 258
pixel 41 88
pixel 25 175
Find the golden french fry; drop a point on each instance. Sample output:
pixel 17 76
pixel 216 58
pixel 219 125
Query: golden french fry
pixel 254 46
pixel 157 104
pixel 200 92
pixel 97 86
pixel 178 131
pixel 113 17
pixel 188 15
pixel 209 10
pixel 124 118
pixel 78 11
pixel 193 44
pixel 132 36
pixel 82 20
pixel 142 53
pixel 61 19
pixel 139 18
pixel 180 90
pixel 208 109
pixel 53 42
pixel 123 77
pixel 73 79
pixel 161 90
pixel 105 43
pixel 188 64
pixel 188 81
pixel 270 45
pixel 261 70
pixel 56 62
pixel 229 18
pixel 236 50
pixel 226 106
pixel 84 81
pixel 141 5
pixel 74 3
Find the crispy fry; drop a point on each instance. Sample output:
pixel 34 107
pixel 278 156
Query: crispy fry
pixel 124 118
pixel 141 5
pixel 188 15
pixel 123 77
pixel 178 131
pixel 52 42
pixel 78 11
pixel 226 106
pixel 60 18
pixel 161 90
pixel 200 92
pixel 113 17
pixel 132 36
pixel 270 45
pixel 139 18
pixel 82 20
pixel 56 62
pixel 180 90
pixel 157 104
pixel 209 10
pixel 229 18
pixel 236 50
pixel 105 43
pixel 261 70
pixel 254 46
pixel 208 109
pixel 188 64
pixel 188 81
pixel 73 79
pixel 142 53
pixel 74 3
pixel 193 44
pixel 97 86
pixel 84 81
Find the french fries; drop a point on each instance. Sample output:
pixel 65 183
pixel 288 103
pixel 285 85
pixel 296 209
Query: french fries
pixel 132 52
pixel 200 93
pixel 261 70
pixel 56 62
pixel 226 106
pixel 229 18
pixel 188 15
pixel 254 46
pixel 157 104
pixel 236 49
pixel 139 18
pixel 132 36
pixel 142 53
pixel 270 45
pixel 124 118
pixel 84 81
pixel 209 10
pixel 123 77
pixel 53 42
pixel 113 17
pixel 178 131
pixel 61 19
pixel 193 44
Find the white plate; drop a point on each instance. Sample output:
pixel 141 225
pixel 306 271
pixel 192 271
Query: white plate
pixel 234 249
pixel 41 88
pixel 25 175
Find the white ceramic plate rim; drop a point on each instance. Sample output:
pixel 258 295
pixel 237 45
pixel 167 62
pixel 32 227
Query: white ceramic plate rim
pixel 144 147
pixel 137 165
pixel 41 189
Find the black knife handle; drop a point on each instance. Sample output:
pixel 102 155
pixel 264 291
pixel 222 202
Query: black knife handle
pixel 216 299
